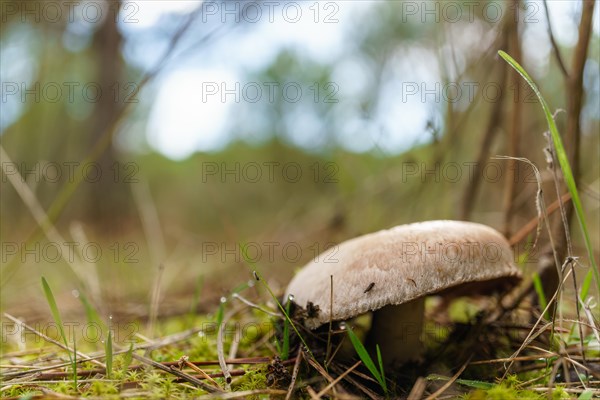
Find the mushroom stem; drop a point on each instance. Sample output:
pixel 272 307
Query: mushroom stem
pixel 397 330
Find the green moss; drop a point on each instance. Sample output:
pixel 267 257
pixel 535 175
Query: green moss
pixel 102 388
pixel 23 392
pixel 253 379
pixel 560 393
pixel 505 391
pixel 502 392
pixel 463 310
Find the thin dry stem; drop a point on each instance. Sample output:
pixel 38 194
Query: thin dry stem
pixel 290 391
pixel 50 340
pixel 337 380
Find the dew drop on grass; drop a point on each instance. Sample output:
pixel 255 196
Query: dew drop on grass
pixel 342 326
pixel 223 299
pixel 290 297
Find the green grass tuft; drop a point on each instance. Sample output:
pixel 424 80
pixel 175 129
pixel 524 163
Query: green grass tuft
pixel 285 349
pixel 367 360
pixel 55 314
pixel 539 290
pixel 109 356
pixel 566 170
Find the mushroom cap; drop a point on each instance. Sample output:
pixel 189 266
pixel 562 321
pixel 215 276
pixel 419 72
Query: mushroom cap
pixel 397 265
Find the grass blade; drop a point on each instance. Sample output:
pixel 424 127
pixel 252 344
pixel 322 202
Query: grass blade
pixel 563 161
pixel 277 345
pixel 586 395
pixel 109 355
pixel 465 382
pixel 55 313
pixel 91 314
pixel 286 314
pixel 285 350
pixel 539 289
pixel 128 358
pixel 585 286
pixel 195 301
pixel 381 370
pixel 475 384
pixel 74 363
pixel 220 311
pixel 196 298
pixel 366 358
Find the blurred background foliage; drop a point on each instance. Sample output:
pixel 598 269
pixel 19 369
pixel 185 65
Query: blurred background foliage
pixel 372 159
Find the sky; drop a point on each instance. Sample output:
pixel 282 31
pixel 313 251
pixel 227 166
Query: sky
pixel 192 109
pixel 185 119
pixel 201 93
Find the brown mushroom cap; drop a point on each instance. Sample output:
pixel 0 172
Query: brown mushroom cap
pixel 397 265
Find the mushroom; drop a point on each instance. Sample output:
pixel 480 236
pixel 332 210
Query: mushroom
pixel 391 271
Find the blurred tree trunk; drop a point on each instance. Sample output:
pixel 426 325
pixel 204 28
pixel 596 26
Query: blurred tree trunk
pixel 514 46
pixel 109 196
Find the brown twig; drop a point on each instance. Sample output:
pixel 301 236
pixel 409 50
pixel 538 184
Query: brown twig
pixel 85 373
pixel 416 393
pixel 369 393
pixel 247 360
pixel 50 340
pixel 244 394
pixel 173 370
pixel 233 372
pixel 533 223
pixel 319 369
pixel 311 392
pixel 184 361
pixel 220 350
pixel 337 380
pixel 290 391
pixel 532 334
